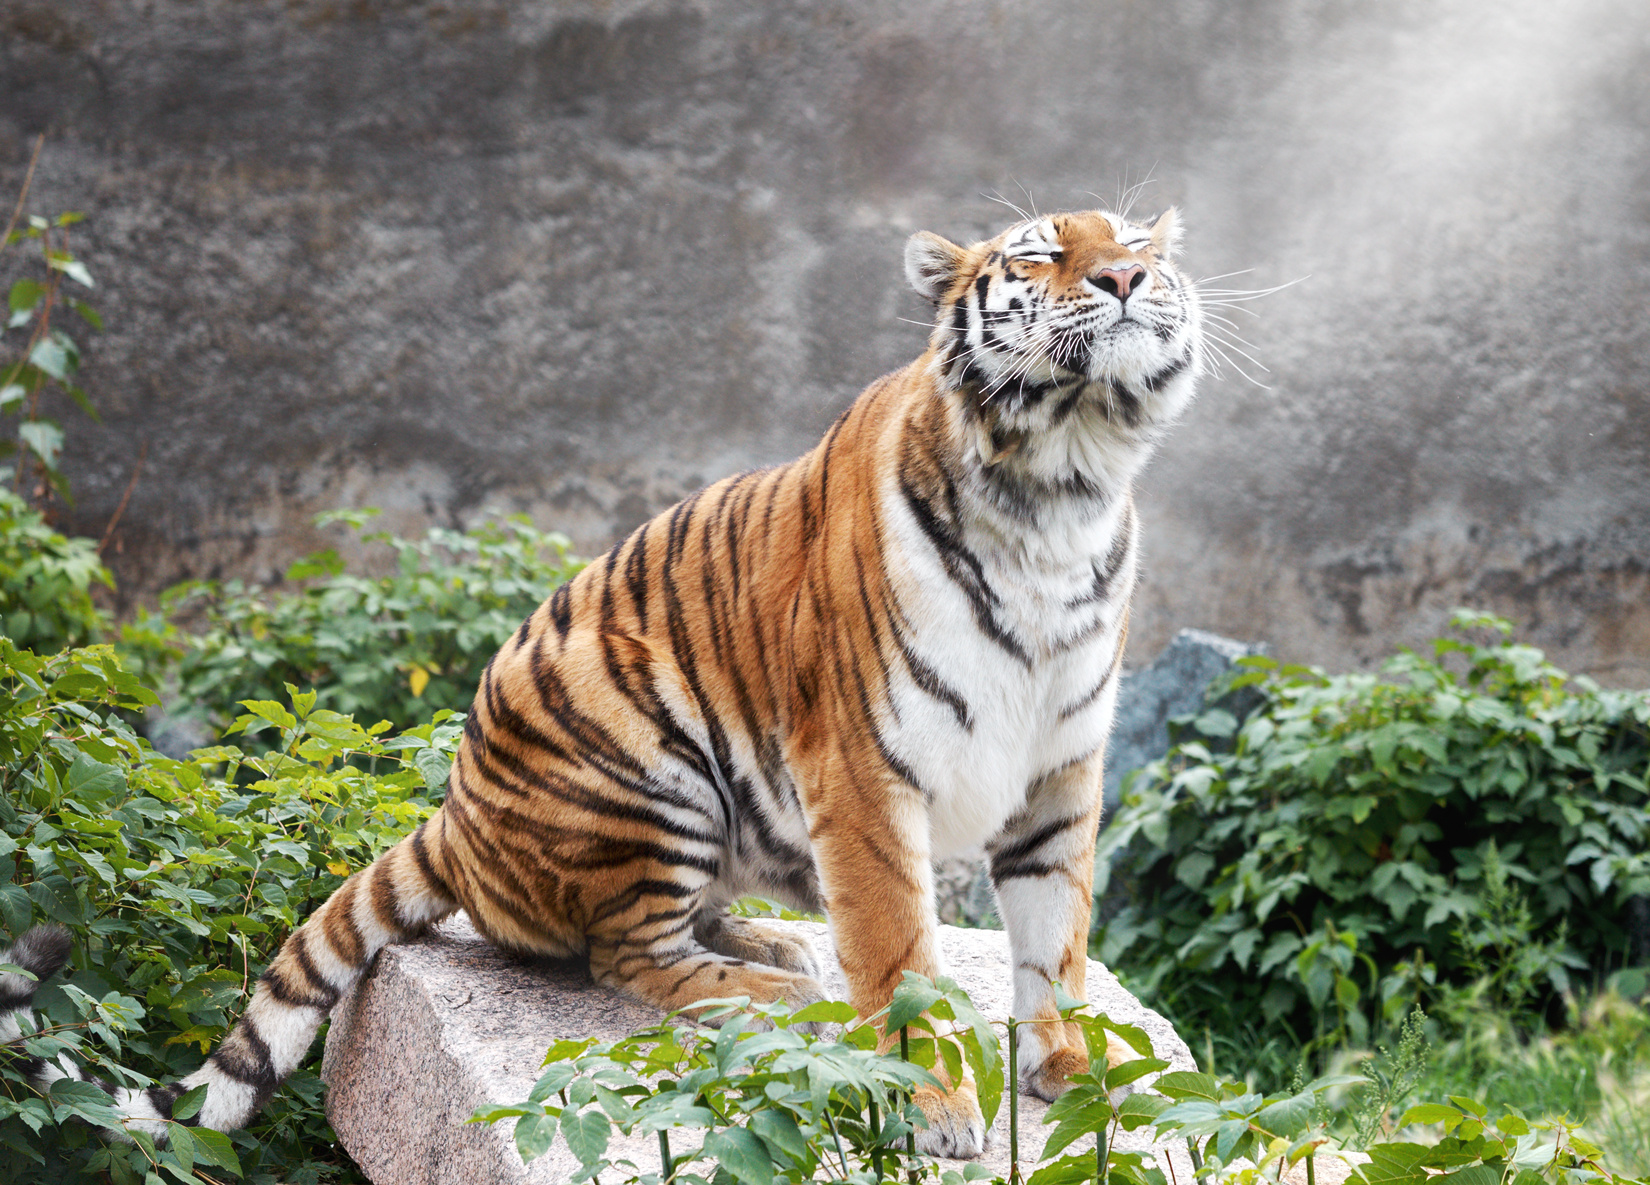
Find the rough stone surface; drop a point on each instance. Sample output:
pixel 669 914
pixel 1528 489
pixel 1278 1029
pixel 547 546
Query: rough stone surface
pixel 578 257
pixel 1174 685
pixel 447 1023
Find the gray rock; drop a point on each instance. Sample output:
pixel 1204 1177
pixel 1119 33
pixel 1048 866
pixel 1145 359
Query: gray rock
pixel 1174 685
pixel 963 894
pixel 447 1023
pixel 176 736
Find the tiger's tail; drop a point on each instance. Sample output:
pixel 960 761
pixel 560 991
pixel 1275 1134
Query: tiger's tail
pixel 397 897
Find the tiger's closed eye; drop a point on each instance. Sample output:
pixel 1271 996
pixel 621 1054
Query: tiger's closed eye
pixel 1041 256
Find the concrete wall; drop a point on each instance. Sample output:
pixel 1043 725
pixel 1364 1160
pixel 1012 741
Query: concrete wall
pixel 578 258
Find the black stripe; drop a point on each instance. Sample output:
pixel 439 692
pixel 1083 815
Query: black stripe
pixel 1089 696
pixel 421 855
pixel 492 863
pixel 561 610
pixel 636 575
pixel 1014 860
pixel 889 758
pixel 649 887
pixel 965 570
pixel 244 1056
pixel 1155 382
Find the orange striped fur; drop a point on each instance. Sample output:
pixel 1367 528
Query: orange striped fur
pixel 811 681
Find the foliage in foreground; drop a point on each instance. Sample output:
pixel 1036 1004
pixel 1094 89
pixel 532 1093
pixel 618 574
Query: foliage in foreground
pixel 752 1104
pixel 45 582
pixel 395 647
pixel 178 881
pixel 1465 840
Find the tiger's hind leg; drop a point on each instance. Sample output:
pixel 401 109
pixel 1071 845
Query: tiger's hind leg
pixel 676 972
pixel 753 942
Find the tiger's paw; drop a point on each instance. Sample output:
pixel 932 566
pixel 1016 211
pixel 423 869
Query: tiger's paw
pixel 1050 1078
pixel 956 1127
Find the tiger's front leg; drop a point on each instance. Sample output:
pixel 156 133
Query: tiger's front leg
pixel 870 843
pixel 1042 867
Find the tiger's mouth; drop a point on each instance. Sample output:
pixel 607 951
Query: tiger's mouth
pixel 1121 347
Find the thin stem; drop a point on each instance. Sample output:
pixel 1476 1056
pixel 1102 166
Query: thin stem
pixel 876 1141
pixel 1311 1172
pixel 137 470
pixel 668 1170
pixel 1197 1157
pixel 1013 1101
pixel 910 1139
pixel 28 179
pixel 837 1140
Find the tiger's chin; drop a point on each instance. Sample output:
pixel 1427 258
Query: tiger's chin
pixel 1133 356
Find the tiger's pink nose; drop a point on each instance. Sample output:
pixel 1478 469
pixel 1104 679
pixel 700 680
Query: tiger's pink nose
pixel 1119 281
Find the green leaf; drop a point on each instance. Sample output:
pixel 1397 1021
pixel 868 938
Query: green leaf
pixel 87 312
pixel 1394 1164
pixel 43 438
pixel 1217 722
pixel 1068 1170
pixel 1184 1084
pixel 586 1134
pixel 77 272
pixel 24 297
pixel 1087 1114
pixel 534 1132
pixel 182 1144
pixel 553 1081
pixel 1193 869
pixel 216 1147
pixel 51 355
pixel 1140 1109
pixel 833 1012
pixel 272 712
pixel 914 996
pixel 741 1154
pixel 1127 1072
pixel 1132 1035
pixel 1429 1113
pixel 1287 1117
pixel 779 1132
pixel 188 1104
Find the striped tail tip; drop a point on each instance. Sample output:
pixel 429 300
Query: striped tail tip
pixel 42 952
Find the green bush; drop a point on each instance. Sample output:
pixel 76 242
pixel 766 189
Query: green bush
pixel 45 582
pixel 764 1103
pixel 1473 821
pixel 395 647
pixel 178 881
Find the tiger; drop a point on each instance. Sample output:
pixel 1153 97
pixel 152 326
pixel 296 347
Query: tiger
pixel 809 682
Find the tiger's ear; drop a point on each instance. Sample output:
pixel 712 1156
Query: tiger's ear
pixel 1166 232
pixel 931 263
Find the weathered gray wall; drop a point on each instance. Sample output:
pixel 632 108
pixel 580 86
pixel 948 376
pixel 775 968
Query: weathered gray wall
pixel 579 257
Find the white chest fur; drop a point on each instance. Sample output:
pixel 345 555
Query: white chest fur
pixel 1016 681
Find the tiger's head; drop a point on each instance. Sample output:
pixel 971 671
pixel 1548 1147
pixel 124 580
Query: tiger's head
pixel 1076 321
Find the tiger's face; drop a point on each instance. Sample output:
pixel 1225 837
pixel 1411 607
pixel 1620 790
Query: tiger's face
pixel 1066 303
